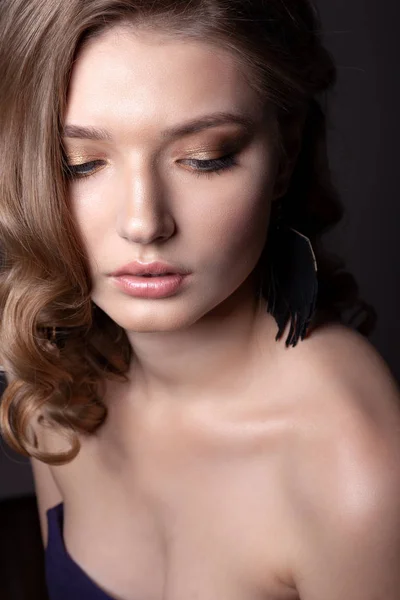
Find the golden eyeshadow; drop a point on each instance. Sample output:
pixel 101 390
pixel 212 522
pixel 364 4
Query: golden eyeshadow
pixel 78 158
pixel 201 151
pixel 225 146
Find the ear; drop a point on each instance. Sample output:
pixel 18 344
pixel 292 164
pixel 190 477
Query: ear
pixel 292 136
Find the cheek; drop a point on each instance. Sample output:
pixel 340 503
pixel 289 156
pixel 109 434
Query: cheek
pixel 233 227
pixel 232 215
pixel 91 210
pixel 91 214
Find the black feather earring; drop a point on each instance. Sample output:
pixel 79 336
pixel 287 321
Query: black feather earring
pixel 291 270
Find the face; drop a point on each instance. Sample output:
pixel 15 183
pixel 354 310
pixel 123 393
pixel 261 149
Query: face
pixel 198 200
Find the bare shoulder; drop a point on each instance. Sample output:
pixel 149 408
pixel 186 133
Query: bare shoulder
pixel 344 476
pixel 351 398
pixel 340 365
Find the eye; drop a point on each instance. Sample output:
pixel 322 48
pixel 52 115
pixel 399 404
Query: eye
pixel 215 166
pixel 208 168
pixel 83 170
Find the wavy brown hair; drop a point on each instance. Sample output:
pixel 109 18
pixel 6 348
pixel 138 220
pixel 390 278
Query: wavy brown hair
pixel 44 275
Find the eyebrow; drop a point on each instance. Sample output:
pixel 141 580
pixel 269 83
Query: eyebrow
pixel 189 128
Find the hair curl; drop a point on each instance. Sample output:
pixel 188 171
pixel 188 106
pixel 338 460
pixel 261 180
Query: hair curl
pixel 44 275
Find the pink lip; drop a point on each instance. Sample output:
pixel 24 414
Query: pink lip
pixel 148 287
pixel 154 268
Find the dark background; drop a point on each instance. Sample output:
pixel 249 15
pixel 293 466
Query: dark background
pixel 363 142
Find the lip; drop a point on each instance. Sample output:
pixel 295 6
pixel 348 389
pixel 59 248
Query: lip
pixel 154 268
pixel 148 287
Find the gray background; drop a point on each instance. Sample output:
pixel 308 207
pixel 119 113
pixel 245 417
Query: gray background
pixel 363 142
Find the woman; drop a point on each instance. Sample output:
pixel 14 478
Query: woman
pixel 213 456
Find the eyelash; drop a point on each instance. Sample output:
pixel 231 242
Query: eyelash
pixel 224 163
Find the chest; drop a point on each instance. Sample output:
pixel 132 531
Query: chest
pixel 200 516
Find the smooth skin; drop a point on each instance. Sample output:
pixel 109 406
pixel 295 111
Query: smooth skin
pixel 230 466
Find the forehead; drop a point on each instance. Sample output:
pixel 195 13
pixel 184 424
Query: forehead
pixel 150 79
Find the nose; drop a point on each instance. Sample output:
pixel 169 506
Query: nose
pixel 144 215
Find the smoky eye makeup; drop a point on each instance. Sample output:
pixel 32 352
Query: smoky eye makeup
pixel 206 157
pixel 80 163
pixel 218 147
pixel 83 169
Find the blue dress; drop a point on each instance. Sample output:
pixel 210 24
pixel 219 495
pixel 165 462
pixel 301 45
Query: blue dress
pixel 65 579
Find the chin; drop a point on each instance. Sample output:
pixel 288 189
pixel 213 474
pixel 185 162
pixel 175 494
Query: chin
pixel 154 322
pixel 162 316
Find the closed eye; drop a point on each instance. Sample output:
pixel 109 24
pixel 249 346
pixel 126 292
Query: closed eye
pixel 214 166
pixel 204 167
pixel 83 170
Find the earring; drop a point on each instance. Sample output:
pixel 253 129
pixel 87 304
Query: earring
pixel 292 279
